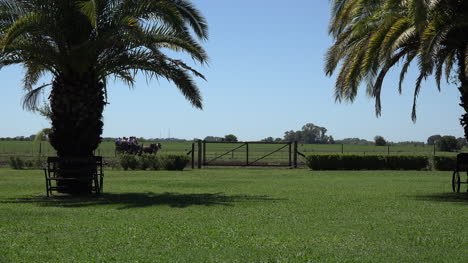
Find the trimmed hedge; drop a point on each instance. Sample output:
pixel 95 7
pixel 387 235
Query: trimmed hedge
pixel 173 162
pixel 444 163
pixel 367 162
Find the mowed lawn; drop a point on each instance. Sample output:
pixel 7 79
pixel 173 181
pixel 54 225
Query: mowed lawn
pixel 238 215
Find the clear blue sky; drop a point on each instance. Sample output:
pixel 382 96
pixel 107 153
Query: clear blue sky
pixel 265 77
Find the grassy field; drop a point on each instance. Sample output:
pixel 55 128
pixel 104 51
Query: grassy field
pixel 238 215
pixel 215 151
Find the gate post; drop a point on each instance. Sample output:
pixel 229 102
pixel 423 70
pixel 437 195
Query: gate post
pixel 247 154
pixel 193 155
pixel 295 154
pixel 290 153
pixel 199 154
pixel 204 152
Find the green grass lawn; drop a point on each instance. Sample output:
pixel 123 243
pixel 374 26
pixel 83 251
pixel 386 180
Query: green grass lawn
pixel 238 215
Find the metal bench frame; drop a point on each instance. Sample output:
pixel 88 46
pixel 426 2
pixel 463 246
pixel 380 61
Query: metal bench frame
pixel 53 173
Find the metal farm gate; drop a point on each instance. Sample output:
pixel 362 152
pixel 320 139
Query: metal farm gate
pixel 244 154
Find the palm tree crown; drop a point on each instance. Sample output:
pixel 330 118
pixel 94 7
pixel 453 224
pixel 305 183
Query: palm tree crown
pixel 112 38
pixel 372 36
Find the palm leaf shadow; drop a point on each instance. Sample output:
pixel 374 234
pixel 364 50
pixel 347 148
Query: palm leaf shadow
pixel 140 200
pixel 460 198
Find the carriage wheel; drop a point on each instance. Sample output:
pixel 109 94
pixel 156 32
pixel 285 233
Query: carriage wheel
pixel 456 181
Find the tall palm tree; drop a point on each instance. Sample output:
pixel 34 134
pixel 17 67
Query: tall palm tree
pixel 372 36
pixel 84 43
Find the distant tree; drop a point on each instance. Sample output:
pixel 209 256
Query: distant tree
pixel 230 138
pixel 291 136
pixel 313 134
pixel 432 140
pixel 379 141
pixel 448 144
pixel 268 139
pixel 354 141
pixel 462 141
pixel 310 133
pixel 213 139
pixel 413 143
pixel 278 140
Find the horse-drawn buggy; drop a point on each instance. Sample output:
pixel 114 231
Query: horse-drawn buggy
pixel 461 166
pixel 126 147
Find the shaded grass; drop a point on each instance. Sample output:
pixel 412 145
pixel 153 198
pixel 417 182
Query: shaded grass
pixel 238 215
pixel 140 200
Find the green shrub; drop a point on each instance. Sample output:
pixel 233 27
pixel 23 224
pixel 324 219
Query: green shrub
pixel 444 163
pixel 144 161
pixel 366 162
pixel 128 161
pixel 16 162
pixel 155 162
pixel 174 162
pixel 407 162
pixel 148 161
pixel 29 164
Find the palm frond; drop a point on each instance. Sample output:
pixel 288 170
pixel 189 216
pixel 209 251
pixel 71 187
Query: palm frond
pixel 90 10
pixel 31 98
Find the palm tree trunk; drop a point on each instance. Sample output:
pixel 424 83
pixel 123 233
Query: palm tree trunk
pixel 77 103
pixel 463 78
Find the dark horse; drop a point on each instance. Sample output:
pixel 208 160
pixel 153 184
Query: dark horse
pixel 128 148
pixel 151 149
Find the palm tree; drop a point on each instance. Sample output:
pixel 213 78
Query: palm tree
pixel 82 44
pixel 372 36
pixel 444 42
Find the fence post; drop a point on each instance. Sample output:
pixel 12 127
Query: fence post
pixel 40 148
pixel 247 154
pixel 204 152
pixel 295 154
pixel 342 149
pixel 199 154
pixel 388 150
pixel 193 155
pixel 290 152
pixel 434 149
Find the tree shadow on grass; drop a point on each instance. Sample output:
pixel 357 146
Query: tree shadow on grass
pixel 140 200
pixel 460 198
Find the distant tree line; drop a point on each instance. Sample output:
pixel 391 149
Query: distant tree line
pixel 354 141
pixel 19 138
pixel 226 138
pixel 309 134
pixel 105 139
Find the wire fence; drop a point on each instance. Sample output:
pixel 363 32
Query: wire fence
pixel 28 149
